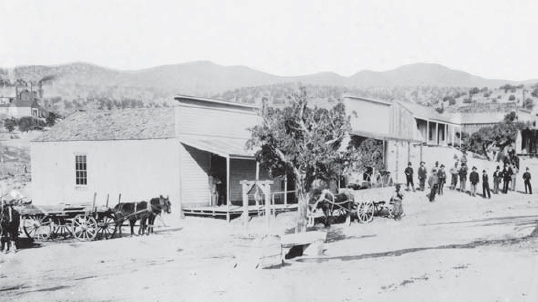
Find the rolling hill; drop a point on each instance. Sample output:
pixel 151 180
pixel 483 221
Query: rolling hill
pixel 207 78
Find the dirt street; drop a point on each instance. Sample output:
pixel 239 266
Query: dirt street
pixel 458 248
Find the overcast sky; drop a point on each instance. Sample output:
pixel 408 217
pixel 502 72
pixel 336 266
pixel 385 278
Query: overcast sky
pixel 493 39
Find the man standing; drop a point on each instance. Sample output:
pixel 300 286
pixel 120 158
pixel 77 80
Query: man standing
pixel 442 179
pixel 507 177
pixel 422 174
pixel 454 172
pixel 473 178
pixel 515 170
pixel 527 178
pixel 409 176
pixel 433 182
pixel 463 177
pixel 497 177
pixel 485 184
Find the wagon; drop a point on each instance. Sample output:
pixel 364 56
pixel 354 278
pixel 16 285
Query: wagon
pixel 84 222
pixel 345 204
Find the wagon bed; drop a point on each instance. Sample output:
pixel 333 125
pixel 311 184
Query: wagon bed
pixel 85 221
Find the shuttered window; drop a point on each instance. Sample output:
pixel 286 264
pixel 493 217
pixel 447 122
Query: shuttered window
pixel 81 170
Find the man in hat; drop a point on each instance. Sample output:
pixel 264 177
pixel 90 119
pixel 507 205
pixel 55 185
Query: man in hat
pixel 474 178
pixel 507 177
pixel 497 177
pixel 409 176
pixel 527 180
pixel 485 185
pixel 441 175
pixel 422 174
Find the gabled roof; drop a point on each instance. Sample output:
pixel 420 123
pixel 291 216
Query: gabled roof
pixel 428 113
pixel 125 124
pixel 482 118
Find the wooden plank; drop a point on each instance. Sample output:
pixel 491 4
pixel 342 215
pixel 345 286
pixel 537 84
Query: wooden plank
pixel 302 238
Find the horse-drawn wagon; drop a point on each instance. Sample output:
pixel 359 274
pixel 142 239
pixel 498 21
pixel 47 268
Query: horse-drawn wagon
pixel 87 222
pixel 351 203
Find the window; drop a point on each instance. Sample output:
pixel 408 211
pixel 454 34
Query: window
pixel 81 170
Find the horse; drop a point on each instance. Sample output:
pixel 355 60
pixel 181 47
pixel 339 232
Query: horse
pixel 143 211
pixel 10 220
pixel 131 211
pixel 156 206
pixel 331 205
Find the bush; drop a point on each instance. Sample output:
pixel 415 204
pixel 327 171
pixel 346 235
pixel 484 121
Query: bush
pixel 528 104
pixel 474 90
pixel 10 124
pixel 51 119
pixel 512 97
pixel 467 100
pixel 28 123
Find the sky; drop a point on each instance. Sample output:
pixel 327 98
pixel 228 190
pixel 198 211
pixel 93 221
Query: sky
pixel 493 39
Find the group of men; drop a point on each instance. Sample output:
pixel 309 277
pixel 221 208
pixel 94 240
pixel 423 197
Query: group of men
pixel 438 176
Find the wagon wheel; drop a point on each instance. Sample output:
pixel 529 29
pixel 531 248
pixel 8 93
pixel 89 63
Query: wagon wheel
pixel 107 226
pixel 37 227
pixel 84 227
pixel 365 211
pixel 60 228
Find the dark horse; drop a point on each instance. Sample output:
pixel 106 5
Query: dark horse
pixel 157 206
pixel 9 225
pixel 332 205
pixel 143 211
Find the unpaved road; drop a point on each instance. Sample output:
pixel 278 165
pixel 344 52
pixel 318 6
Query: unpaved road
pixel 456 249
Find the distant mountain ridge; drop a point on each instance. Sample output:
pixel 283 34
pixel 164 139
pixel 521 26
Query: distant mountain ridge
pixel 206 78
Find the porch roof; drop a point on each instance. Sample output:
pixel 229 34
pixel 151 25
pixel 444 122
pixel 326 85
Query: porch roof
pixel 388 137
pixel 222 146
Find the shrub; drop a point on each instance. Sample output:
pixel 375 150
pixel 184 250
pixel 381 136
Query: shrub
pixel 467 100
pixel 10 124
pixel 512 97
pixel 28 123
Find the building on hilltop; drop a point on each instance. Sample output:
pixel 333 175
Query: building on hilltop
pixel 25 103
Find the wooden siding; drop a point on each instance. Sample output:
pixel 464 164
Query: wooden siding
pixel 206 121
pixel 402 122
pixel 138 170
pixel 195 166
pixel 368 116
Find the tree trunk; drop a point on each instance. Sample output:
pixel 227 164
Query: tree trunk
pixel 302 210
pixel 485 150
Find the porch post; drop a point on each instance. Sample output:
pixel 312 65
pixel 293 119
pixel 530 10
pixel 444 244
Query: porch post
pixel 427 131
pixel 228 189
pixel 437 133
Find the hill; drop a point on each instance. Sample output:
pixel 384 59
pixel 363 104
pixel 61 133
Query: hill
pixel 76 86
pixel 204 77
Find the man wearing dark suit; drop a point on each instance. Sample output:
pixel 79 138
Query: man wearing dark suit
pixel 485 185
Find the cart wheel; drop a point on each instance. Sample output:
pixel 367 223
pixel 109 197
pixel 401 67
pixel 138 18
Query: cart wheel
pixel 62 230
pixel 107 226
pixel 84 227
pixel 365 211
pixel 38 227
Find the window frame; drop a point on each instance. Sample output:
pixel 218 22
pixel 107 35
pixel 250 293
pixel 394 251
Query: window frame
pixel 81 170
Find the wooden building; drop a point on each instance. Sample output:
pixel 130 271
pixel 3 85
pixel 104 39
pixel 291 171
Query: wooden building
pixel 390 123
pixel 143 153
